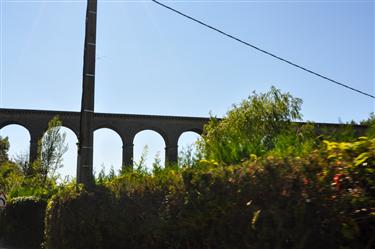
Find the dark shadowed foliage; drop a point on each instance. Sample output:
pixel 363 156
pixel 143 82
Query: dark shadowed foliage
pixel 22 222
pixel 290 203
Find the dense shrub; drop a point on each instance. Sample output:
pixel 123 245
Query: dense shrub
pixel 4 148
pixel 11 177
pixel 79 219
pixel 252 127
pixel 122 214
pixel 253 205
pixel 22 222
pixel 258 204
pixel 265 124
pixel 351 172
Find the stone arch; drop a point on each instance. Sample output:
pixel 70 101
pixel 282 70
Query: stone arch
pixel 198 131
pixel 7 123
pixel 107 149
pixel 19 144
pixel 109 127
pixel 191 131
pixel 71 128
pixel 157 130
pixel 156 143
pixel 186 146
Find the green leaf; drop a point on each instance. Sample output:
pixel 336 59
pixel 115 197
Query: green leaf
pixel 255 218
pixel 361 158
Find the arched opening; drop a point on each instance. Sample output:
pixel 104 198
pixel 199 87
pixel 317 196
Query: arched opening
pixel 187 147
pixel 149 150
pixel 69 170
pixel 107 151
pixel 19 141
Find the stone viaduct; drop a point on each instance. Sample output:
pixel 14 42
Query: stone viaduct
pixel 125 125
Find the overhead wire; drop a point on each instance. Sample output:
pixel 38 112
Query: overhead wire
pixel 264 51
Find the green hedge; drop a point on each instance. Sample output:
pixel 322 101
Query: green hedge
pixel 249 206
pixel 126 218
pixel 273 203
pixel 22 222
pixel 82 220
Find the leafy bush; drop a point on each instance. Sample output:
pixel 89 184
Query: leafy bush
pixel 21 178
pixel 76 218
pixel 250 128
pixel 22 222
pixel 351 173
pixel 122 214
pixel 11 177
pixel 4 148
pixel 33 186
pixel 263 204
pixel 260 203
pixel 16 184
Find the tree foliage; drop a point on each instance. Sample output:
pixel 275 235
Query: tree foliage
pixel 4 148
pixel 51 149
pixel 252 127
pixel 19 177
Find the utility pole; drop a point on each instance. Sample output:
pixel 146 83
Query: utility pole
pixel 86 136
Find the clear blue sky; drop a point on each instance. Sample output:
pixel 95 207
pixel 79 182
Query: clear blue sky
pixel 152 61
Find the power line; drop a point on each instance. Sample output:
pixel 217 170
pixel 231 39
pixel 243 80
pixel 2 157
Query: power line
pixel 262 50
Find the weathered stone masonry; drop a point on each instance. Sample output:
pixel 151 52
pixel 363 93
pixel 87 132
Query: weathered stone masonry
pixel 126 125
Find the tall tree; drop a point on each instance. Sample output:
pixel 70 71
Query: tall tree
pixel 251 127
pixel 52 147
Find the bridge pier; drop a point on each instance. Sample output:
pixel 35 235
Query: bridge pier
pixel 127 155
pixel 33 148
pixel 171 155
pixel 36 133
